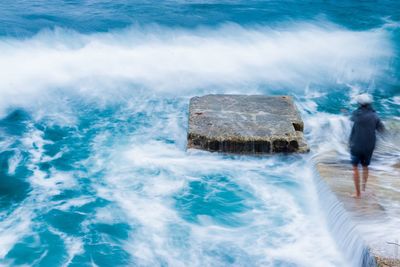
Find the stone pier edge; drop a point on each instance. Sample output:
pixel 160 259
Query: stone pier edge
pixel 369 259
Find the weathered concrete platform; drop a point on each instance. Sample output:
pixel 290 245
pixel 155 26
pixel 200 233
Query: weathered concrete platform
pixel 377 214
pixel 247 124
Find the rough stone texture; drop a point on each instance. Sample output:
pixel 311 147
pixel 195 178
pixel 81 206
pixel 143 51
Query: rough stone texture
pixel 248 124
pixel 382 262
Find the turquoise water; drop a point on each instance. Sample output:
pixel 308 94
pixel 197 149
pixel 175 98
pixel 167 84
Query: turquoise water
pixel 93 117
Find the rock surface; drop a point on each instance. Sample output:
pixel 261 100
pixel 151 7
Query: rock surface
pixel 246 124
pixel 376 214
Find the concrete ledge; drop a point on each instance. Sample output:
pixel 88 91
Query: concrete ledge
pixel 375 214
pixel 246 124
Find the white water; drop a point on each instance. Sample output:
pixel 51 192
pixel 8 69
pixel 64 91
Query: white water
pixel 142 175
pixel 176 61
pixel 343 228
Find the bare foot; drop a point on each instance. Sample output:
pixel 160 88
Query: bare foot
pixel 354 195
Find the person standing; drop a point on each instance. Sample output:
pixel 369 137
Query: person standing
pixel 362 139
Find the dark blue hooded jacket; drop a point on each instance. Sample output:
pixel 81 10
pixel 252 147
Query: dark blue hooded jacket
pixel 363 137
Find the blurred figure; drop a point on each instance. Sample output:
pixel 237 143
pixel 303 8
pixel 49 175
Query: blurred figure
pixel 362 139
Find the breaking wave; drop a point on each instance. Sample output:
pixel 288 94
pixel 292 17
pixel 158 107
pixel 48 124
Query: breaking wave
pixel 93 144
pixel 178 61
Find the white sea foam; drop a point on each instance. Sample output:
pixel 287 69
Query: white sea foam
pixel 396 100
pixel 142 178
pixel 258 242
pixel 14 227
pixel 177 60
pixel 13 162
pixel 327 134
pixel 19 223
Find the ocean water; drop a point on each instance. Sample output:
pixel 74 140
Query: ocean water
pixel 93 118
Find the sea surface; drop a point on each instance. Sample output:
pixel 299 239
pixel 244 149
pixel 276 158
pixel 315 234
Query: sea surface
pixel 93 118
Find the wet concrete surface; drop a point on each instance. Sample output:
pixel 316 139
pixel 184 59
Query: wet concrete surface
pixel 377 213
pixel 245 124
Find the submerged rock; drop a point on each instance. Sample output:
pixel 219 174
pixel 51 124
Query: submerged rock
pixel 247 124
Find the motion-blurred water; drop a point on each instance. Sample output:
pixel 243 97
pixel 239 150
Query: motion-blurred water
pixel 93 104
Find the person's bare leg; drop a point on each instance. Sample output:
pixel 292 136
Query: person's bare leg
pixel 365 177
pixel 356 177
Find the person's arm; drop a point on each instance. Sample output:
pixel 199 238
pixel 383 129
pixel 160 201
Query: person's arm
pixel 379 126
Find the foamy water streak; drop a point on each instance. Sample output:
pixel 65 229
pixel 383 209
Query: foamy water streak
pixel 180 208
pixel 343 228
pixel 127 166
pixel 175 59
pixel 272 230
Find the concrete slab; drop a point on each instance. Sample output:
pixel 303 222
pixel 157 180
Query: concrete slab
pixel 247 124
pixel 376 214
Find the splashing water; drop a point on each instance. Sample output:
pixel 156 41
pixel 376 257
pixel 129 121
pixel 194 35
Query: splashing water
pixel 93 136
